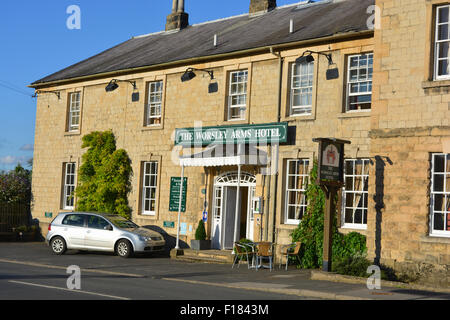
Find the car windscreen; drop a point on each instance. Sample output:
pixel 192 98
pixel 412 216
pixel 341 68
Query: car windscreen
pixel 122 222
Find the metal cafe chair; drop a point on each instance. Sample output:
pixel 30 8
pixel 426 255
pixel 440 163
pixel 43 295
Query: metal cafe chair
pixel 292 249
pixel 242 251
pixel 264 250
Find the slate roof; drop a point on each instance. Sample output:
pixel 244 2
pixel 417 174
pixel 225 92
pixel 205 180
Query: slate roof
pixel 311 21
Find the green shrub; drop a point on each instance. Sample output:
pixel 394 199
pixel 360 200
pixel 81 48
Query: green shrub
pixel 310 231
pixel 200 233
pixel 105 176
pixel 352 266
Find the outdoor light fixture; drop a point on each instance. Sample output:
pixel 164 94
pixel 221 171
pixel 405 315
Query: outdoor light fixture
pixel 307 57
pixel 38 92
pixel 189 74
pixel 112 85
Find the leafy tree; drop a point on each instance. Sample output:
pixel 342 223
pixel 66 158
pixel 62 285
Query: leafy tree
pixel 15 186
pixel 105 176
pixel 310 231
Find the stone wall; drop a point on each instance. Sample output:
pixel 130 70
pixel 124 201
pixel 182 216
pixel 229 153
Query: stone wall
pixel 410 120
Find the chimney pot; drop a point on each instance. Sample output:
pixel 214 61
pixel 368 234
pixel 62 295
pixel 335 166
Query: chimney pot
pixel 178 19
pixel 257 6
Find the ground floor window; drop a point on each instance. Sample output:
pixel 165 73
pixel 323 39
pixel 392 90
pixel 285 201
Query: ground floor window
pixel 440 194
pixel 69 185
pixel 150 182
pixel 297 177
pixel 355 193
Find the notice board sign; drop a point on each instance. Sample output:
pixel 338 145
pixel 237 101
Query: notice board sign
pixel 331 161
pixel 175 185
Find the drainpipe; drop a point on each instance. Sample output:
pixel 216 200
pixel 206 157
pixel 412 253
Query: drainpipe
pixel 275 180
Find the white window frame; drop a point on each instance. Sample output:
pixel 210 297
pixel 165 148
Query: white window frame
pixel 368 80
pixel 238 94
pixel 307 89
pixel 149 174
pixel 301 190
pixel 74 111
pixel 154 103
pixel 70 175
pixel 445 193
pixel 364 194
pixel 438 42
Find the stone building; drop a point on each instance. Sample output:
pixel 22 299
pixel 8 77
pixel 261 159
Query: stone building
pixel 250 85
pixel 410 139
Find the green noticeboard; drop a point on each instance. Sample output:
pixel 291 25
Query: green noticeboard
pixel 175 185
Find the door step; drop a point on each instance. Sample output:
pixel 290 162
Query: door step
pixel 206 256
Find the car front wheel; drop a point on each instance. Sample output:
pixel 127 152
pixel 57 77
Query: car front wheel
pixel 124 249
pixel 58 245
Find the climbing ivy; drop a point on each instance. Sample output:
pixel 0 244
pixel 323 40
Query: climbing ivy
pixel 104 177
pixel 310 231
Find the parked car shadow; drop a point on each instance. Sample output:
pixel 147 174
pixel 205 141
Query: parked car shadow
pixel 170 240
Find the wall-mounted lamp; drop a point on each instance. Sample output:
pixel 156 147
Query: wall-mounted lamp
pixel 112 85
pixel 189 74
pixel 307 57
pixel 38 92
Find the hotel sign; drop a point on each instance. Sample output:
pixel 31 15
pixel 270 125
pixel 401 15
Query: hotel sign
pixel 237 134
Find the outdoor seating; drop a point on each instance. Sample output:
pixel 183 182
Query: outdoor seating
pixel 244 250
pixel 264 250
pixel 292 249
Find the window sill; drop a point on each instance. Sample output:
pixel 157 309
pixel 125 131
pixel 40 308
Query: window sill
pixel 72 133
pixel 308 117
pixel 433 238
pixel 430 84
pixel 345 230
pixel 355 114
pixel 154 127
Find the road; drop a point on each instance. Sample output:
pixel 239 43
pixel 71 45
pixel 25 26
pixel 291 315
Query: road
pixel 29 271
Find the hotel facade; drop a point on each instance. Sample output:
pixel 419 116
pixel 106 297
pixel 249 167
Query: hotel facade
pixel 229 105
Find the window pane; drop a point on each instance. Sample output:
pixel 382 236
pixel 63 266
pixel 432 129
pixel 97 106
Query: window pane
pixel 438 221
pixel 443 14
pixel 443 67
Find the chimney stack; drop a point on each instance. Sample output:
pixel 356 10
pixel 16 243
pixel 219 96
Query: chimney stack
pixel 259 6
pixel 178 19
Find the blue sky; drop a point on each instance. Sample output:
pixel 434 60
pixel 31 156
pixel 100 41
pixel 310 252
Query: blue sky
pixel 36 42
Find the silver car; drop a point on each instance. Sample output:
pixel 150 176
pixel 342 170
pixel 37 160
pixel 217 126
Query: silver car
pixel 101 232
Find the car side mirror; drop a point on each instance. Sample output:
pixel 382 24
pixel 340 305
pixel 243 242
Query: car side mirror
pixel 109 227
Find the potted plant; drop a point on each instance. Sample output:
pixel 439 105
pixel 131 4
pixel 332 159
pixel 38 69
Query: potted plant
pixel 200 242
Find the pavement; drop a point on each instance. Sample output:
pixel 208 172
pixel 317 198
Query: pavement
pixel 293 283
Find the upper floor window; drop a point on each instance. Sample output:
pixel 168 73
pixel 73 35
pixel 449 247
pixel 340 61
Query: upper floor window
pixel 237 95
pixel 301 89
pixel 356 193
pixel 359 82
pixel 440 195
pixel 297 178
pixel 442 43
pixel 154 105
pixel 74 111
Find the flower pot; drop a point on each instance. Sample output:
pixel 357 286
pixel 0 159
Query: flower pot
pixel 200 244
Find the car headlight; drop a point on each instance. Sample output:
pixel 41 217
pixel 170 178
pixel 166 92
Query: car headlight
pixel 155 238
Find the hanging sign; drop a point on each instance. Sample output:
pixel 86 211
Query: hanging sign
pixel 331 161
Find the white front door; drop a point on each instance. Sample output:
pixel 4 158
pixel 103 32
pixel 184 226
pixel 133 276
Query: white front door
pixel 224 209
pixel 250 214
pixel 216 232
